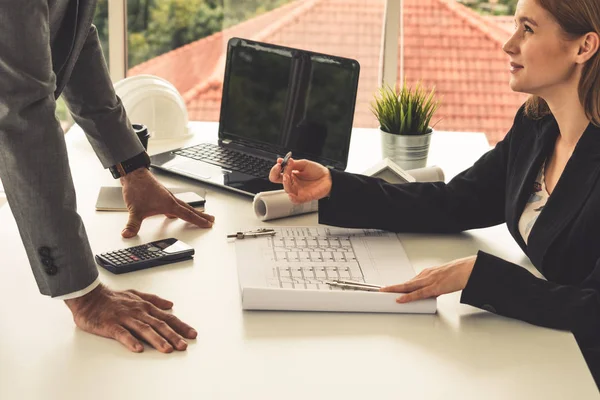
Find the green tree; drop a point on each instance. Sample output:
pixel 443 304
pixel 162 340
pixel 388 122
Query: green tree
pixel 174 23
pixel 487 7
pixel 512 5
pixel 101 22
pixel 158 26
pixel 237 11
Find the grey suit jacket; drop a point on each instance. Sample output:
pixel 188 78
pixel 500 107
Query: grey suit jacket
pixel 49 47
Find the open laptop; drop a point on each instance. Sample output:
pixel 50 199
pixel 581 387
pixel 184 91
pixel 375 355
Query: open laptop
pixel 275 99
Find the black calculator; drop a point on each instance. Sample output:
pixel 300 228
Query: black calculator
pixel 147 255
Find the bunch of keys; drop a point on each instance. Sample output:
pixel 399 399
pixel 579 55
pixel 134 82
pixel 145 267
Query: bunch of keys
pixel 256 233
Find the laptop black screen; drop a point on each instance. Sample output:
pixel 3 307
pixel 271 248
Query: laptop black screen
pixel 279 99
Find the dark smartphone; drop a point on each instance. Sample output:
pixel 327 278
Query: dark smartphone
pixel 147 255
pixel 193 199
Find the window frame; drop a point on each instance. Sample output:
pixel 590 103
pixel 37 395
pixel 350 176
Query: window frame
pixel 117 39
pixel 388 59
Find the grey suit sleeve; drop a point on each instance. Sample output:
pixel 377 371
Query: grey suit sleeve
pixel 33 159
pixel 95 107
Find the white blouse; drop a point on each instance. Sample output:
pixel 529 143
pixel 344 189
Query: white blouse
pixel 535 205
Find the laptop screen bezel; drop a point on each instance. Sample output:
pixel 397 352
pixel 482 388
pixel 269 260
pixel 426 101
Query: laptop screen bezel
pixel 227 138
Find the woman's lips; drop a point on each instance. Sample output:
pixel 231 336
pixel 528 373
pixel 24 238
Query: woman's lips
pixel 514 67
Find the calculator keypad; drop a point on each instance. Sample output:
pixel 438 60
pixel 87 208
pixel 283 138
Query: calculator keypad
pixel 134 254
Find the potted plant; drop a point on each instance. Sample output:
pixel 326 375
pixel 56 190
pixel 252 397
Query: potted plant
pixel 404 115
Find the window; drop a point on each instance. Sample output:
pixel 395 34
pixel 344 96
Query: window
pixel 62 113
pixel 459 51
pixel 183 41
pixel 455 46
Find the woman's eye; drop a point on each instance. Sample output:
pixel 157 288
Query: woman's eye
pixel 528 29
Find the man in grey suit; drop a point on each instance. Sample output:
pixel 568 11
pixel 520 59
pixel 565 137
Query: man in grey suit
pixel 49 48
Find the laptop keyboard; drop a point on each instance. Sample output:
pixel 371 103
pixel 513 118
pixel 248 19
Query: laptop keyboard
pixel 229 159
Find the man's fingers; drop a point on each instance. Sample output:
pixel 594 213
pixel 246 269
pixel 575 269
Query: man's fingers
pixel 123 336
pixel 159 302
pixel 178 325
pixel 170 215
pixel 163 329
pixel 133 226
pixel 146 332
pixel 207 217
pixel 189 214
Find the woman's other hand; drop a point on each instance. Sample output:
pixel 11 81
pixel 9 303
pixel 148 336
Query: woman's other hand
pixel 433 282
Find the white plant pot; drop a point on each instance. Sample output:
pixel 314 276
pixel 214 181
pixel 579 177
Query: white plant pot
pixel 408 151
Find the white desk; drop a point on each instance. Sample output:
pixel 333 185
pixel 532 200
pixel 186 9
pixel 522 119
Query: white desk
pixel 461 352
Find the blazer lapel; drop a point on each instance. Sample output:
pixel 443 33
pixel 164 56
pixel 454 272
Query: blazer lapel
pixel 571 191
pixel 527 167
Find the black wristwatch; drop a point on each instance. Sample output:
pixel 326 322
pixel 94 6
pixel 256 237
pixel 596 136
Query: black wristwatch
pixel 125 167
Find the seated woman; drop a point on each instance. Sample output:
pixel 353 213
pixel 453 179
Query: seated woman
pixel 543 180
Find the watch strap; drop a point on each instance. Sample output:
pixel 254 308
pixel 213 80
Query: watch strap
pixel 123 168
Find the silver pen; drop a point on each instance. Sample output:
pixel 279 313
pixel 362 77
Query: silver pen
pixel 358 283
pixel 353 286
pixel 256 233
pixel 285 160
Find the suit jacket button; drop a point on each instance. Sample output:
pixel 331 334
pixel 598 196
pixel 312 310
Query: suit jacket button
pixel 48 261
pixel 489 307
pixel 51 270
pixel 44 251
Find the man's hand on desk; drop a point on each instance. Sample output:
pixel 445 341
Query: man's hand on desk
pixel 433 282
pixel 303 180
pixel 126 316
pixel 145 197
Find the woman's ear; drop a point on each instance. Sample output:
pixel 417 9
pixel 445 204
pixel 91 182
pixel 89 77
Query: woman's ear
pixel 589 46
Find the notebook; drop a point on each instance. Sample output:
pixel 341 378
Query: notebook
pixel 289 271
pixel 275 99
pixel 110 198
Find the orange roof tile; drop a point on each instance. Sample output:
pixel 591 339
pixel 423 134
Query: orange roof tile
pixel 460 52
pixel 445 44
pixel 506 22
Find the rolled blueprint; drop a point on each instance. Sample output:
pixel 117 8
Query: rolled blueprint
pixel 276 203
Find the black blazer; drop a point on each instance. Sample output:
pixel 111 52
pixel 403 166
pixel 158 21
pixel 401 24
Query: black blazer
pixel 564 244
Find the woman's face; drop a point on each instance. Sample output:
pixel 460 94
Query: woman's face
pixel 542 61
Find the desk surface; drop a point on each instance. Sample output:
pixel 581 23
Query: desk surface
pixel 461 352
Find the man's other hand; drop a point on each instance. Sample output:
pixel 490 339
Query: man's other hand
pixel 131 315
pixel 144 197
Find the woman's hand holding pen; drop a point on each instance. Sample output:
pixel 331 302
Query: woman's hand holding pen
pixel 433 282
pixel 302 180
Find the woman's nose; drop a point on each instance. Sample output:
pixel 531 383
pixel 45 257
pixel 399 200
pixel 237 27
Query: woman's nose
pixel 510 47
